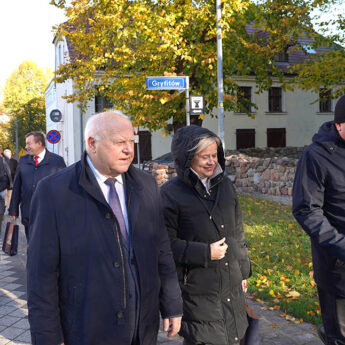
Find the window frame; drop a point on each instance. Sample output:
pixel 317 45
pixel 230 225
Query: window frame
pixel 272 99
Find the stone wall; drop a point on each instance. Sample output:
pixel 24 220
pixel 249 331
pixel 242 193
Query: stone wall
pixel 272 176
pixel 163 172
pixel 260 171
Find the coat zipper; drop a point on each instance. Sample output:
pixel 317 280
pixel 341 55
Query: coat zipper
pixel 123 268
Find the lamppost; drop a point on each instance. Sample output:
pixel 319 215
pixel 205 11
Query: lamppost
pixel 136 140
pixel 16 131
pixel 220 74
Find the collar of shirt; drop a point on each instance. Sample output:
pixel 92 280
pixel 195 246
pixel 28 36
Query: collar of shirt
pixel 204 180
pixel 41 156
pixel 105 189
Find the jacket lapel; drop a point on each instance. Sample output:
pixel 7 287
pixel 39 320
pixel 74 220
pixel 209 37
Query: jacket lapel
pixel 88 181
pixel 133 197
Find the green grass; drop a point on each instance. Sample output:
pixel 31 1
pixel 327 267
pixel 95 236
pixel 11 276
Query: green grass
pixel 281 260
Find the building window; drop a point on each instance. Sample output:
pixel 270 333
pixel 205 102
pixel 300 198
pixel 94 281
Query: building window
pixel 245 138
pixel 276 137
pixel 102 103
pixel 282 56
pixel 244 99
pixel 275 100
pixel 325 101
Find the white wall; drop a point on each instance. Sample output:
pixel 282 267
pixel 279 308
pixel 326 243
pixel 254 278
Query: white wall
pixel 160 144
pixel 300 117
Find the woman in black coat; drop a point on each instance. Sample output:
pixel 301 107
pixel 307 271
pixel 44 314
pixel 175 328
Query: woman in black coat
pixel 204 222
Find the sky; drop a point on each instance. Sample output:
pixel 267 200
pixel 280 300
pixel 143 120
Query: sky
pixel 26 34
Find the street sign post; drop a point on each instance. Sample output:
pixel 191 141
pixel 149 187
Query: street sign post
pixel 53 136
pixel 196 105
pixel 55 115
pixel 21 153
pixel 171 83
pixel 166 83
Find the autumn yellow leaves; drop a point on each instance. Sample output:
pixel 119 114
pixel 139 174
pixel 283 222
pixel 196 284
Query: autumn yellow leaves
pixel 281 260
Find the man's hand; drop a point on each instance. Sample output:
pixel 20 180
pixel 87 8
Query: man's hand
pixel 172 325
pixel 218 249
pixel 14 218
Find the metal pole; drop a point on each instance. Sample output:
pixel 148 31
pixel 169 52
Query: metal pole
pixel 16 131
pixel 220 75
pixel 138 150
pixel 187 102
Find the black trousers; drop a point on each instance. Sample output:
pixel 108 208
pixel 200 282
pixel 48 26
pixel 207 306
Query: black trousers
pixel 26 228
pixel 185 342
pixel 333 317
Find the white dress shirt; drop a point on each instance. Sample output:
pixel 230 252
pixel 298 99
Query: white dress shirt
pixel 41 156
pixel 105 189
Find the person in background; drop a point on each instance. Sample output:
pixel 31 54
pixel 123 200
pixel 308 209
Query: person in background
pixel 319 207
pixel 12 163
pixel 5 183
pixel 100 266
pixel 33 167
pixel 204 222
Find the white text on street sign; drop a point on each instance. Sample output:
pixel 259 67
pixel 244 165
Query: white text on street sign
pixel 166 83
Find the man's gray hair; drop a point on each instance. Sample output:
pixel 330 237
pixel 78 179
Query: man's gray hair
pixel 95 124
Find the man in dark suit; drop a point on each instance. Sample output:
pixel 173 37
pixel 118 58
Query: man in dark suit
pixel 5 182
pixel 31 169
pixel 100 267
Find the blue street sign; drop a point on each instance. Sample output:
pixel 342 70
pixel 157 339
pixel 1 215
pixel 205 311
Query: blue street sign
pixel 166 83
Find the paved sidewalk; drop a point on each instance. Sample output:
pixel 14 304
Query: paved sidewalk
pixel 14 326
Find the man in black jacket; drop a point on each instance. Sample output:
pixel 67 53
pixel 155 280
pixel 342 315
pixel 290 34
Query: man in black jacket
pixel 319 207
pixel 5 183
pixel 12 163
pixel 31 169
pixel 100 267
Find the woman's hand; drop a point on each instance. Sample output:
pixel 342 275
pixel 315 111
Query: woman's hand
pixel 218 249
pixel 245 285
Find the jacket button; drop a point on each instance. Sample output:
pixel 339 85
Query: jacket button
pixel 120 314
pixel 226 264
pixel 222 226
pixel 108 216
pixel 228 299
pixel 236 338
pixel 116 264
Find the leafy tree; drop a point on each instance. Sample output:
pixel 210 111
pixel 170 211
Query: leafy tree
pixel 4 132
pixel 24 99
pixel 117 43
pixel 326 70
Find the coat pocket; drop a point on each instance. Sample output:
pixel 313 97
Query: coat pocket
pixel 201 281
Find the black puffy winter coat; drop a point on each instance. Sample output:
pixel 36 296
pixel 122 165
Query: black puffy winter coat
pixel 213 298
pixel 319 206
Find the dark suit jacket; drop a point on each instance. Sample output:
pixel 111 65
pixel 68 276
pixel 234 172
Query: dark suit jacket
pixel 5 174
pixel 76 272
pixel 26 179
pixel 12 163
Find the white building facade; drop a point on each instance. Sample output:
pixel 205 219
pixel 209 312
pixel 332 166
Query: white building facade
pixel 280 118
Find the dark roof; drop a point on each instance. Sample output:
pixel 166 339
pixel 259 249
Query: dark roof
pixel 298 52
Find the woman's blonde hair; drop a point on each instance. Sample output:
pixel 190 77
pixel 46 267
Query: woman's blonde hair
pixel 205 142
